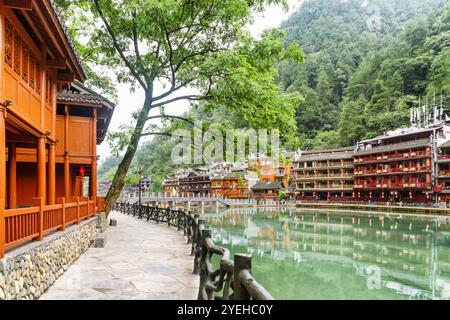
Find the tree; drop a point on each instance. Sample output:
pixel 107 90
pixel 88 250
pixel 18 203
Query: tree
pixel 199 45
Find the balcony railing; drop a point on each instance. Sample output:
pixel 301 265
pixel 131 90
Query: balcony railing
pixel 25 224
pixel 394 157
pixel 444 157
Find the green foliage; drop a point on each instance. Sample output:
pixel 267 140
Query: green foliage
pixel 363 65
pixel 201 45
pixel 327 139
pixel 282 195
pixel 390 81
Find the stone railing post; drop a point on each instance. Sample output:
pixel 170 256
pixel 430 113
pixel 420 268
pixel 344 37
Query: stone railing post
pixel 2 228
pixel 241 262
pixel 202 293
pixel 198 246
pixel 62 201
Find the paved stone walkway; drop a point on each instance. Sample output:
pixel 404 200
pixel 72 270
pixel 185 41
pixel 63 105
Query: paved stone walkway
pixel 141 260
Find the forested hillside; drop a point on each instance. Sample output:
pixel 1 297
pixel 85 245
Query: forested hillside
pixel 367 63
pixel 340 38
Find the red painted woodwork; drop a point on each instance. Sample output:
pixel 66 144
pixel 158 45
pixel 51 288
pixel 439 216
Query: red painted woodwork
pixel 44 150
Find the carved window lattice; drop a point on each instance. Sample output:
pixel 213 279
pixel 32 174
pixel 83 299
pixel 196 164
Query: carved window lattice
pixel 47 89
pixel 25 54
pixel 8 42
pixel 50 90
pixel 32 70
pixel 38 77
pixel 17 49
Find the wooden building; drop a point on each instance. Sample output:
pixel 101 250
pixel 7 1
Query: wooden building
pixel 232 185
pixel 267 190
pixel 195 183
pixel 48 155
pixel 442 187
pixel 324 175
pixel 171 186
pixel 397 166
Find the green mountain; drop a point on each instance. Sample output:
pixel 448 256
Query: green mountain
pixel 339 37
pixel 367 63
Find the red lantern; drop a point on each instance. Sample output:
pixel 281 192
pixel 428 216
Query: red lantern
pixel 82 171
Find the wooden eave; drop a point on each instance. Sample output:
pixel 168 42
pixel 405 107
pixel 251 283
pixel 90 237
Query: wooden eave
pixel 53 29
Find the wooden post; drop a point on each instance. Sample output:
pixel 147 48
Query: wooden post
pixel 62 201
pixel 94 158
pixel 41 179
pixel 12 203
pixel 2 153
pixel 41 204
pixel 2 228
pixel 241 262
pixel 51 174
pixel 78 210
pixel 67 192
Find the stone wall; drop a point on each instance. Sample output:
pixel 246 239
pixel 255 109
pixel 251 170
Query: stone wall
pixel 26 275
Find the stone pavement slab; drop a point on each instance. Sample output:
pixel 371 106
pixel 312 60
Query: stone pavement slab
pixel 141 260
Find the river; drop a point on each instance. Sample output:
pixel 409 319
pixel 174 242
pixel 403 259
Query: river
pixel 311 254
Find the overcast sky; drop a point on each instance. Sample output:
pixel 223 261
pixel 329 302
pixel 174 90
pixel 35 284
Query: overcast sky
pixel 130 102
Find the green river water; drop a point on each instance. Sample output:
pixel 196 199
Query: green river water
pixel 303 254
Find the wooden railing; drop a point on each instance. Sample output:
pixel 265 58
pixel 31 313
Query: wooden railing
pixel 20 225
pixel 233 279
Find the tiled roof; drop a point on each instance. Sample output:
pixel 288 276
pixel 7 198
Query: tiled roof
pixel 69 38
pixel 71 96
pixel 326 156
pixel 267 186
pixel 334 150
pixel 396 146
pixel 445 144
pixel 77 92
pixel 404 132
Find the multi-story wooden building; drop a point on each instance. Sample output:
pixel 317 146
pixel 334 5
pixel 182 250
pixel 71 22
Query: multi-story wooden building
pixel 232 185
pixel 171 186
pixel 195 183
pixel 274 175
pixel 397 166
pixel 324 175
pixel 48 155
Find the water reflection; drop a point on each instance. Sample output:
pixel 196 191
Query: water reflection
pixel 323 255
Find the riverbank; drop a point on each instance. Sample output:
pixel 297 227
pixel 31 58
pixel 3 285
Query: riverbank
pixel 378 208
pixel 141 260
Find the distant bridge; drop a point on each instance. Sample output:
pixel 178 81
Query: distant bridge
pixel 198 199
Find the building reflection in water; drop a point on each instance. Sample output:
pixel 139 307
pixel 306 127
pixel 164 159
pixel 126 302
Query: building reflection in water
pixel 404 255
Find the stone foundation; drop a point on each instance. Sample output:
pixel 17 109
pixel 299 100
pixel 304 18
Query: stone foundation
pixel 27 272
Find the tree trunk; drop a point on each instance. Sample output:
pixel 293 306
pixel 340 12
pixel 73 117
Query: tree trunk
pixel 118 181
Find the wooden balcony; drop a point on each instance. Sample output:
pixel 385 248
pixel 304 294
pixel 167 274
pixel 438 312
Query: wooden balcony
pixel 392 171
pixel 33 223
pixel 393 186
pixel 76 136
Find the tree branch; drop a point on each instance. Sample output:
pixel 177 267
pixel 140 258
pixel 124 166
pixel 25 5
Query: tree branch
pixel 135 38
pixel 145 134
pixel 187 97
pixel 117 46
pixel 171 117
